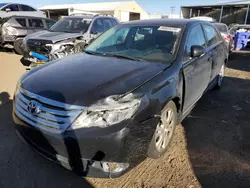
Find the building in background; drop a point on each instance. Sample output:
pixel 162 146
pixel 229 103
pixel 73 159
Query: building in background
pixel 236 12
pixel 124 11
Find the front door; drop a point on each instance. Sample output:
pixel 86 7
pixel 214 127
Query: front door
pixel 197 71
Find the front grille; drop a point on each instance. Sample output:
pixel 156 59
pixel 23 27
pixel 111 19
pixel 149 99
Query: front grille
pixel 45 113
pixel 39 46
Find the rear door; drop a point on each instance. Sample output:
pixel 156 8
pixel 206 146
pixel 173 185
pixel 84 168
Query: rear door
pixel 20 23
pixel 216 45
pixel 197 71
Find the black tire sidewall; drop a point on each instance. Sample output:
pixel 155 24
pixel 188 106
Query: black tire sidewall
pixel 152 150
pixel 217 86
pixel 17 46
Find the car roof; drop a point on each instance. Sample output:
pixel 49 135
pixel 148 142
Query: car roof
pixel 88 16
pixel 165 22
pixel 15 16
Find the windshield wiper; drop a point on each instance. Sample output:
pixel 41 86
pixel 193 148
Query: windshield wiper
pixel 114 55
pixel 124 57
pixel 91 52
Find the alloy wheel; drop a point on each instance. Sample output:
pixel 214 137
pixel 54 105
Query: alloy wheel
pixel 164 130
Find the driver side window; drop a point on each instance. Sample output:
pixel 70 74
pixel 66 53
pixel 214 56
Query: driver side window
pixel 98 26
pixel 195 37
pixel 12 7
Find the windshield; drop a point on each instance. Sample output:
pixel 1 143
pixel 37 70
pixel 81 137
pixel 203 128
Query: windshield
pixel 71 25
pixel 2 4
pixel 148 43
pixel 222 28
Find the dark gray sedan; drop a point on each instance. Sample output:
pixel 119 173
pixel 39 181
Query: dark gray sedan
pixel 101 112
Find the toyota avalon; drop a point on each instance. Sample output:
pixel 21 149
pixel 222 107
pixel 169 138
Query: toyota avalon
pixel 99 112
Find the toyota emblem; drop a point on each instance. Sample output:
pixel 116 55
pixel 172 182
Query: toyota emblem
pixel 33 108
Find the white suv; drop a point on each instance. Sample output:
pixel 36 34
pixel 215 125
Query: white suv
pixel 11 9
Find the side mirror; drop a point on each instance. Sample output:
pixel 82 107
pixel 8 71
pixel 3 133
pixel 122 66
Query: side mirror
pixel 7 9
pixel 197 51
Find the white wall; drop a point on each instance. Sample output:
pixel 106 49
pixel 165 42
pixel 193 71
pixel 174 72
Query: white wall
pixel 124 16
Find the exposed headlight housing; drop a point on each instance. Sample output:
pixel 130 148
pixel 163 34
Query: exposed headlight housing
pixel 7 29
pixel 107 112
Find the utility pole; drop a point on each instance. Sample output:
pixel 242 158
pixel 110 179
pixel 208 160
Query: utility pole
pixel 172 9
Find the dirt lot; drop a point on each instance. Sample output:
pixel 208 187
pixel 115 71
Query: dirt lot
pixel 210 149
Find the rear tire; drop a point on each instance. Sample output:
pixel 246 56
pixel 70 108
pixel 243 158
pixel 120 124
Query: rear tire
pixel 220 76
pixel 164 132
pixel 17 46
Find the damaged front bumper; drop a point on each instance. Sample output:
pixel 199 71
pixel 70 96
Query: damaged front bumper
pixel 103 153
pixel 39 52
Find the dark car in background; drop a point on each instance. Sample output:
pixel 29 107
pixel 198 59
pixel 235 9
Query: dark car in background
pixel 13 29
pixel 68 36
pixel 101 112
pixel 223 29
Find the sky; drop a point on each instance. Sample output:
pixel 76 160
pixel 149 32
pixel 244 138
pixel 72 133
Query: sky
pixel 151 6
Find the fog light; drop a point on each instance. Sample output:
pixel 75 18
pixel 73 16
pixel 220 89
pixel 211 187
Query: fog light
pixel 114 167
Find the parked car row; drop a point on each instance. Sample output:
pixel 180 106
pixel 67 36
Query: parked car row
pixel 100 111
pixel 14 28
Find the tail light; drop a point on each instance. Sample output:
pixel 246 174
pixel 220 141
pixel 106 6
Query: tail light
pixel 228 37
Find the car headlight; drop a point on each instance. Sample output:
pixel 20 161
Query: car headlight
pixel 107 112
pixel 9 30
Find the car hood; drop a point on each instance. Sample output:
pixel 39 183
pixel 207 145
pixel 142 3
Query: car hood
pixel 84 79
pixel 53 36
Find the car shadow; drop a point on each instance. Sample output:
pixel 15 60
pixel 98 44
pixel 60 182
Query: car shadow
pixel 7 50
pixel 20 167
pixel 217 132
pixel 236 59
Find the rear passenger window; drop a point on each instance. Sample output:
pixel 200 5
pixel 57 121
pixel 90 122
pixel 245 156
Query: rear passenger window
pixel 26 8
pixel 195 37
pixel 38 23
pixel 21 21
pixel 211 35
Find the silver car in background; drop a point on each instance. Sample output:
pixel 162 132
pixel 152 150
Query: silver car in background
pixel 223 29
pixel 13 29
pixel 11 9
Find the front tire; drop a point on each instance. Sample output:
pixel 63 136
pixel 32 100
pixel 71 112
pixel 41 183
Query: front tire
pixel 17 46
pixel 164 132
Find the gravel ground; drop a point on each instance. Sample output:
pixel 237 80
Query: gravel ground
pixel 210 148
